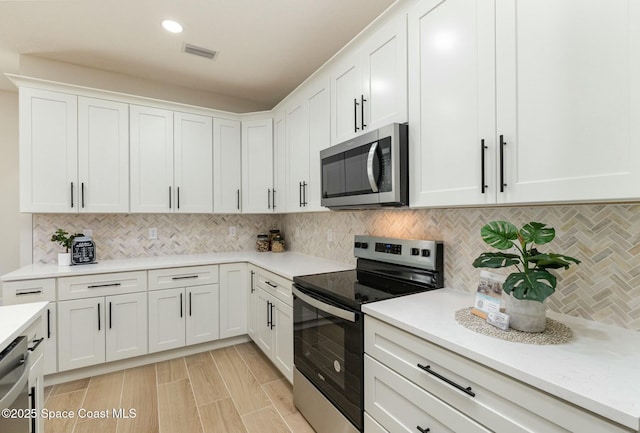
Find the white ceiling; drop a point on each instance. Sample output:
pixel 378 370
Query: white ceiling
pixel 265 47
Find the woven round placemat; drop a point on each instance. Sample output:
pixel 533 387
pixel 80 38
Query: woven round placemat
pixel 554 333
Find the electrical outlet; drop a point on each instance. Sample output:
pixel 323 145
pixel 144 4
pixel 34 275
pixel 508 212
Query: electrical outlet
pixel 87 232
pixel 329 235
pixel 232 231
pixel 153 233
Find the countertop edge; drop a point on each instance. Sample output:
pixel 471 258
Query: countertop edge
pixel 32 309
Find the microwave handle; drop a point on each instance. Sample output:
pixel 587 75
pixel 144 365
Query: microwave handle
pixel 329 309
pixel 372 154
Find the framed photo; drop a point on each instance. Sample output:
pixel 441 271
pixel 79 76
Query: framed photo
pixel 489 294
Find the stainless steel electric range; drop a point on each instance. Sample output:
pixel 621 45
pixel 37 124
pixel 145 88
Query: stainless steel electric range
pixel 329 324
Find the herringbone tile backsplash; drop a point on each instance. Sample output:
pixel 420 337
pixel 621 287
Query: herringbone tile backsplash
pixel 606 238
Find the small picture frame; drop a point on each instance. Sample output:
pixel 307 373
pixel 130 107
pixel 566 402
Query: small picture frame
pixel 488 295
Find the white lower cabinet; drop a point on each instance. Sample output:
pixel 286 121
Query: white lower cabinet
pixel 36 391
pixel 95 330
pixel 252 303
pixel 182 316
pixel 271 318
pixel 233 299
pixel 411 382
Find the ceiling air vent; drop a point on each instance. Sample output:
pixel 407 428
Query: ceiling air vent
pixel 199 51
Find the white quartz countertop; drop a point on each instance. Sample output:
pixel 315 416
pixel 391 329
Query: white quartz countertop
pixel 287 265
pixel 15 319
pixel 599 369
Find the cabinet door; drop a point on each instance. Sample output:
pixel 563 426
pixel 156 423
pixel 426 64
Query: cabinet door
pixel 36 393
pixel 233 299
pixel 319 109
pixel 103 155
pixel 48 151
pixel 451 72
pixel 50 343
pixel 385 75
pixel 282 318
pixel 81 331
pixel 151 143
pixel 166 319
pixel 281 202
pixel 227 165
pixel 193 163
pixel 202 313
pixel 346 95
pixel 257 166
pixel 298 154
pixel 126 334
pixel 264 333
pixel 252 305
pixel 568 94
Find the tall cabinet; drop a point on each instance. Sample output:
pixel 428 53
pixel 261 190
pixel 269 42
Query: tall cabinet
pixel 227 166
pixel 257 167
pixel 519 101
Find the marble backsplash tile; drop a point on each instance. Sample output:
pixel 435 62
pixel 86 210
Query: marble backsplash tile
pixel 606 238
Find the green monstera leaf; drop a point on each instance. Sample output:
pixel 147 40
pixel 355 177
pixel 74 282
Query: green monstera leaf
pixel 532 285
pixel 553 261
pixel 496 260
pixel 537 233
pixel 499 234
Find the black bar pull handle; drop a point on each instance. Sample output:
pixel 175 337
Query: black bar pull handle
pixel 82 194
pixel 423 430
pixel 483 185
pixel 36 343
pixel 178 197
pixel 273 197
pixel 466 390
pixel 99 316
pixel 269 198
pixel 362 101
pixel 269 283
pixel 502 145
pixel 71 194
pixel 355 114
pixel 304 194
pixel 273 323
pixel 110 317
pixel 238 199
pixel 269 314
pixel 252 287
pixel 299 194
pixel 190 304
pixel 186 277
pixel 48 323
pixel 180 304
pixel 95 286
pixel 32 397
pixel 169 197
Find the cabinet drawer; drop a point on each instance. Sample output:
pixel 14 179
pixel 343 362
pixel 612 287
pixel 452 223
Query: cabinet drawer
pixel 87 286
pixel 174 278
pixel 276 285
pixel 500 403
pixel 401 406
pixel 22 292
pixel 372 426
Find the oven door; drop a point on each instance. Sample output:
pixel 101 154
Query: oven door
pixel 329 350
pixel 14 391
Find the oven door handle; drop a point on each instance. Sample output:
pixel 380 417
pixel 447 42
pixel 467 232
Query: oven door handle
pixel 373 182
pixel 329 309
pixel 7 400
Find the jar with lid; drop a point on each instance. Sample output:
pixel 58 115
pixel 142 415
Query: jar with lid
pixel 272 234
pixel 277 244
pixel 262 243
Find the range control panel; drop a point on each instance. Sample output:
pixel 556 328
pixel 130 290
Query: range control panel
pixel 409 252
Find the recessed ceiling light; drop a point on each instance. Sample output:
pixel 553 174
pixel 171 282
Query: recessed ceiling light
pixel 172 26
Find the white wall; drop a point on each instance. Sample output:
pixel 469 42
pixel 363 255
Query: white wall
pixel 15 248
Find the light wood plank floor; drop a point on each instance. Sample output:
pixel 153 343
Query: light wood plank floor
pixel 231 390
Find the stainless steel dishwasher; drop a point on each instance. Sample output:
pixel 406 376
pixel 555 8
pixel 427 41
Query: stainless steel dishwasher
pixel 14 388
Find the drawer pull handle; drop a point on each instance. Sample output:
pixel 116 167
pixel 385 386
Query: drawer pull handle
pixel 36 343
pixel 423 430
pixel 96 286
pixel 271 284
pixel 188 277
pixel 28 292
pixel 428 369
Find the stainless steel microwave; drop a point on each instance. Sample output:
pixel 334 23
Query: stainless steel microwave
pixel 370 170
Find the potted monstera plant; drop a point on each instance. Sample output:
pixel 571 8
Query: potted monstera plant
pixel 532 283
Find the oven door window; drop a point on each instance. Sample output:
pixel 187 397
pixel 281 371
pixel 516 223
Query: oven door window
pixel 328 350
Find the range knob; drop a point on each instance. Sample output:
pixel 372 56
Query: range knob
pixel 415 251
pixel 426 253
pixel 364 245
pixel 357 245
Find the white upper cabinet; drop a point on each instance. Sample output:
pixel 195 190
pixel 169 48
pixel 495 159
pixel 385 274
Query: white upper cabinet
pixel 451 103
pixel 308 132
pixel 369 83
pixel 193 163
pixel 151 160
pixel 568 95
pixel 227 166
pixel 103 156
pixel 257 166
pixel 280 163
pixel 523 101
